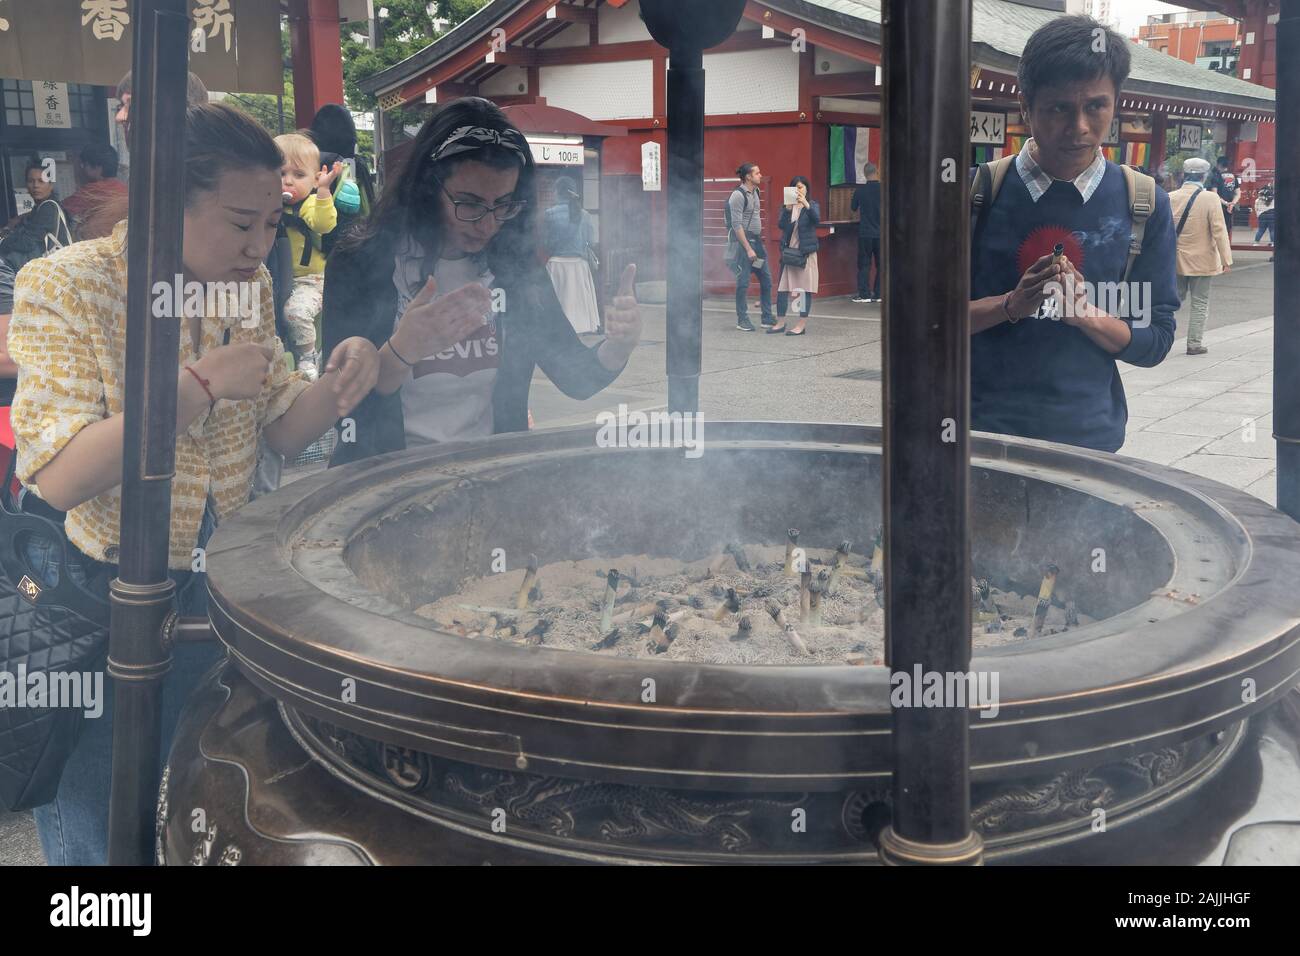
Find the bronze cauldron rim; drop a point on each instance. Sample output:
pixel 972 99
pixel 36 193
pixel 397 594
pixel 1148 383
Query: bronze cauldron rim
pixel 751 727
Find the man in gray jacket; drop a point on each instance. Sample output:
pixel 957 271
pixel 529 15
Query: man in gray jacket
pixel 745 253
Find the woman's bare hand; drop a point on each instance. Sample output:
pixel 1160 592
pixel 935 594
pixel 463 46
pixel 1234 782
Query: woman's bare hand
pixel 236 372
pixel 351 372
pixel 428 326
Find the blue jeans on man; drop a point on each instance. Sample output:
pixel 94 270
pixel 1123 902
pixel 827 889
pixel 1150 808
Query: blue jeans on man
pixel 743 268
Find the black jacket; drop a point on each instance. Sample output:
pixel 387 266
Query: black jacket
pixel 808 221
pixel 360 299
pixel 866 200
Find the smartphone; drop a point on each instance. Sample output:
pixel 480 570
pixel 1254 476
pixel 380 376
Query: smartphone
pixel 791 195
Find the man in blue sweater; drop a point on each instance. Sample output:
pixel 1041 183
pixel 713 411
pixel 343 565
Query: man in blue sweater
pixel 1044 342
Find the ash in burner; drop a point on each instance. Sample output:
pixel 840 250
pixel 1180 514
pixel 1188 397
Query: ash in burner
pixel 747 605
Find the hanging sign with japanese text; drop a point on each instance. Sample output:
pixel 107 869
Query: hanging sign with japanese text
pixel 51 101
pixel 987 128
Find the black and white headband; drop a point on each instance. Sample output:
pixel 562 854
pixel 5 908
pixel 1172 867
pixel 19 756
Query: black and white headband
pixel 465 139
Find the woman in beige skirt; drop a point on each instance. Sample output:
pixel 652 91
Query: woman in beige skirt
pixel 798 238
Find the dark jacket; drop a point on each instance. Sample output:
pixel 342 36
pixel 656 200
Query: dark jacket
pixel 866 202
pixel 360 299
pixel 808 221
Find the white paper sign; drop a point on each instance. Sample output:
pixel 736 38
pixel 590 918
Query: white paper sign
pixel 23 200
pixel 650 177
pixel 1112 135
pixel 1189 136
pixel 988 128
pixel 551 154
pixel 51 101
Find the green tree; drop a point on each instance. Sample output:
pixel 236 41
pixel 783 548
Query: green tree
pixel 410 26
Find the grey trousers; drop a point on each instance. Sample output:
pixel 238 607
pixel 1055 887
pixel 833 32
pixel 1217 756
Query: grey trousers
pixel 1199 310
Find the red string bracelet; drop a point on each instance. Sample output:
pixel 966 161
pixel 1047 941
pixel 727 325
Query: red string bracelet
pixel 207 385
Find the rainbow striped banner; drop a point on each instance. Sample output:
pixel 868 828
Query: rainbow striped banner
pixel 1137 154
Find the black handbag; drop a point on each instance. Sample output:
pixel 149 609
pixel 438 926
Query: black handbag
pixel 793 257
pixel 44 630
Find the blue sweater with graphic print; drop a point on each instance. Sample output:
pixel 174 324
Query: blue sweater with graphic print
pixel 1042 378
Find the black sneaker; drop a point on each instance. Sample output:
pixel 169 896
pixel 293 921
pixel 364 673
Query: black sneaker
pixel 745 325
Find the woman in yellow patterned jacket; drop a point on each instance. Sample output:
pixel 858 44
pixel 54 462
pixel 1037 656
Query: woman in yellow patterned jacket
pixel 68 338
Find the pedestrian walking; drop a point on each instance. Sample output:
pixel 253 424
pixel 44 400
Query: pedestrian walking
pixel 568 235
pixel 799 221
pixel 1204 248
pixel 866 200
pixel 745 252
pixel 1225 183
pixel 1266 215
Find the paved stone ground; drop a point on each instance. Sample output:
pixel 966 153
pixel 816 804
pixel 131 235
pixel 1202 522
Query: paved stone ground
pixel 1190 412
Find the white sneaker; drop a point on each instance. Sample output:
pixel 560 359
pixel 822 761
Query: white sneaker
pixel 858 299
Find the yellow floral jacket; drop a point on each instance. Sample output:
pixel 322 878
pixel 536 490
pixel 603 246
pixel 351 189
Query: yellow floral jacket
pixel 68 338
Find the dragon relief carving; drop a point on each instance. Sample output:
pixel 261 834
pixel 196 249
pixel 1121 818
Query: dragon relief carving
pixel 1074 793
pixel 626 813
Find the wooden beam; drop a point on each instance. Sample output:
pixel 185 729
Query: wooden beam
pixel 571 14
pixel 842 84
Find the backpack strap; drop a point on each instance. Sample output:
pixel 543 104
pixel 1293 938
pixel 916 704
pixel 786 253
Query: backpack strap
pixel 1141 203
pixel 988 180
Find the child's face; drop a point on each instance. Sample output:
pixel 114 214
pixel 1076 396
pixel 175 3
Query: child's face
pixel 296 181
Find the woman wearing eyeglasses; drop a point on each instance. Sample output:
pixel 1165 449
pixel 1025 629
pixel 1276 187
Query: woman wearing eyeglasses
pixel 444 279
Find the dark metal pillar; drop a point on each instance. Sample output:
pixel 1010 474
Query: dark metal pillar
pixel 685 317
pixel 1286 252
pixel 142 593
pixel 926 51
pixel 686 28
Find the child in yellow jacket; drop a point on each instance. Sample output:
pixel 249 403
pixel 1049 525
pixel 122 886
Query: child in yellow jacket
pixel 310 214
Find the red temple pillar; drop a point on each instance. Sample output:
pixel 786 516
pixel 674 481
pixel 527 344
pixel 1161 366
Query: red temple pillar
pixel 317 57
pixel 1159 124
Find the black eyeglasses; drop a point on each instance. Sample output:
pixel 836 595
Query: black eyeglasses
pixel 467 211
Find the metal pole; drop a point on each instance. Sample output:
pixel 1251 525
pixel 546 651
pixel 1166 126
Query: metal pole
pixel 1286 253
pixel 926 51
pixel 685 318
pixel 142 593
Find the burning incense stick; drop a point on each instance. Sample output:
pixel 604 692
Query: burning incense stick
pixel 1058 252
pixel 791 635
pixel 659 639
pixel 816 591
pixel 744 629
pixel 730 606
pixel 526 588
pixel 1044 599
pixel 537 632
pixel 611 588
pixel 792 539
pixel 1071 614
pixel 738 554
pixel 608 641
pixel 878 557
pixel 837 566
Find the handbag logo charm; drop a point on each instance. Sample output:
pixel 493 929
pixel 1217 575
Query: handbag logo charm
pixel 29 589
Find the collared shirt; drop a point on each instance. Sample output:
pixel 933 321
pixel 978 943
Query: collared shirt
pixel 1038 180
pixel 68 338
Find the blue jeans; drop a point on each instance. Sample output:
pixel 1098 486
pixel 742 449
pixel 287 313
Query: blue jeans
pixel 764 285
pixel 73 828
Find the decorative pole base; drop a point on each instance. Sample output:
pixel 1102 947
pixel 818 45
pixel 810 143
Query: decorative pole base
pixel 900 851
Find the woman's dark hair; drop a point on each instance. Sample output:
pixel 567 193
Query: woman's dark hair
pixel 795 181
pixel 219 138
pixel 412 201
pixel 100 156
pixel 1074 49
pixel 334 131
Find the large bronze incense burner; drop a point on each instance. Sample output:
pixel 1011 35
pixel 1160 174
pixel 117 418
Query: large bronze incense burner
pixel 347 728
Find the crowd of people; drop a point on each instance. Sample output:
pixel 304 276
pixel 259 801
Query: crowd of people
pixel 433 307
